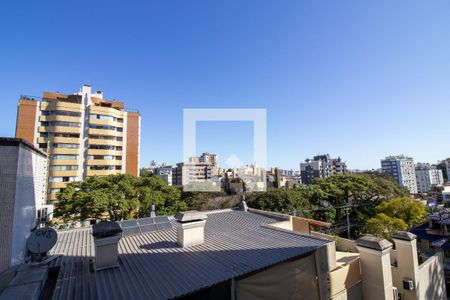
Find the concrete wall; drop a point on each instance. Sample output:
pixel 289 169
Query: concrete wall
pixel 22 192
pixel 342 244
pixel 343 278
pixel 8 175
pixel 432 279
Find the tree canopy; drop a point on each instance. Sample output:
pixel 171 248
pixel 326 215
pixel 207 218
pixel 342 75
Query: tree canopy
pixel 396 214
pixel 117 197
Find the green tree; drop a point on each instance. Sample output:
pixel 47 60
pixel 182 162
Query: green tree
pixel 396 214
pixel 281 200
pixel 384 226
pixel 117 197
pixel 411 211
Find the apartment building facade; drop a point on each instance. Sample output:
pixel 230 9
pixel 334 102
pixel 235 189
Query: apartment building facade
pixel 321 166
pixel 83 134
pixel 427 176
pixel 191 172
pixel 402 169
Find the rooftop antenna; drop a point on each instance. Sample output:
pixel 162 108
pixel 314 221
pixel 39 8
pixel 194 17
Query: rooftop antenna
pixel 40 242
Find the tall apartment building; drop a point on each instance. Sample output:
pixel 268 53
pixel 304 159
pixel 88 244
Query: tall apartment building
pixel 427 176
pixel 402 169
pixel 321 166
pixel 83 134
pixel 23 170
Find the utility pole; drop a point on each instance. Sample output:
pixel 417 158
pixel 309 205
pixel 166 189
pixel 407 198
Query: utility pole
pixel 347 207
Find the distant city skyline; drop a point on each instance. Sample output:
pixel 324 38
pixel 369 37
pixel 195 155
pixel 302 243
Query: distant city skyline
pixel 359 80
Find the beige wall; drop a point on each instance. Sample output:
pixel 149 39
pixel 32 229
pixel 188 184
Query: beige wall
pixel 288 280
pixel 344 277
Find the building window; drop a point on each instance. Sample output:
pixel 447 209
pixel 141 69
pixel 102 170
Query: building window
pixel 63 168
pixel 64 156
pixel 66 146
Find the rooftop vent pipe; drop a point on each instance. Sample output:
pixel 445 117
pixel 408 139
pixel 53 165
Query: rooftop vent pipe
pixel 190 228
pixel 152 211
pixel 243 205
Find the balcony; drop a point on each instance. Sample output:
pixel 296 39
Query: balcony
pixel 59 129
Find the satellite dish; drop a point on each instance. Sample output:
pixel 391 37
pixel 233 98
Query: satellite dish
pixel 42 240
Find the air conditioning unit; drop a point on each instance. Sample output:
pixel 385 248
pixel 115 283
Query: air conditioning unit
pixel 45 213
pixel 408 284
pixel 395 292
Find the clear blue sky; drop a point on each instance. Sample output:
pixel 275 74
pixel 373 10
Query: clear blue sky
pixel 358 79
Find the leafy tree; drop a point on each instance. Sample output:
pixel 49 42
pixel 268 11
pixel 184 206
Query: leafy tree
pixel 384 226
pixel 411 211
pixel 281 200
pixel 117 197
pixel 396 214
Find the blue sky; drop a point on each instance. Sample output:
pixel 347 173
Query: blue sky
pixel 358 79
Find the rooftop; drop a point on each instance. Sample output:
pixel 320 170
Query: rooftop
pixel 153 266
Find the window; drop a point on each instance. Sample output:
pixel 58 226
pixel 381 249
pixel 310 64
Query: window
pixel 102 147
pixel 101 168
pixel 53 191
pixel 64 156
pixel 61 123
pixel 102 117
pixel 105 127
pixel 62 179
pixel 66 146
pixel 63 168
pixel 61 113
pixel 102 137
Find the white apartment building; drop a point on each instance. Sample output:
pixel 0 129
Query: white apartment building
pixel 402 169
pixel 426 176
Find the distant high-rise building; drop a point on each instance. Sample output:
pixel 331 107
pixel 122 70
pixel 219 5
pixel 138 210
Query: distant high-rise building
pixel 402 169
pixel 23 170
pixel 426 176
pixel 83 134
pixel 321 166
pixel 210 158
pixel 191 172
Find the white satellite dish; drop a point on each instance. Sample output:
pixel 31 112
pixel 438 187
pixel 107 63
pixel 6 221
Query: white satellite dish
pixel 42 240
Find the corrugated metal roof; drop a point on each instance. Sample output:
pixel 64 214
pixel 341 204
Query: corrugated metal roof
pixel 152 266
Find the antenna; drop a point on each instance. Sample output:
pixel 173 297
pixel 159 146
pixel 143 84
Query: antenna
pixel 40 242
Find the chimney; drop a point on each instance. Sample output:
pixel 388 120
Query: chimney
pixel 374 255
pixel 190 228
pixel 152 211
pixel 106 239
pixel 408 262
